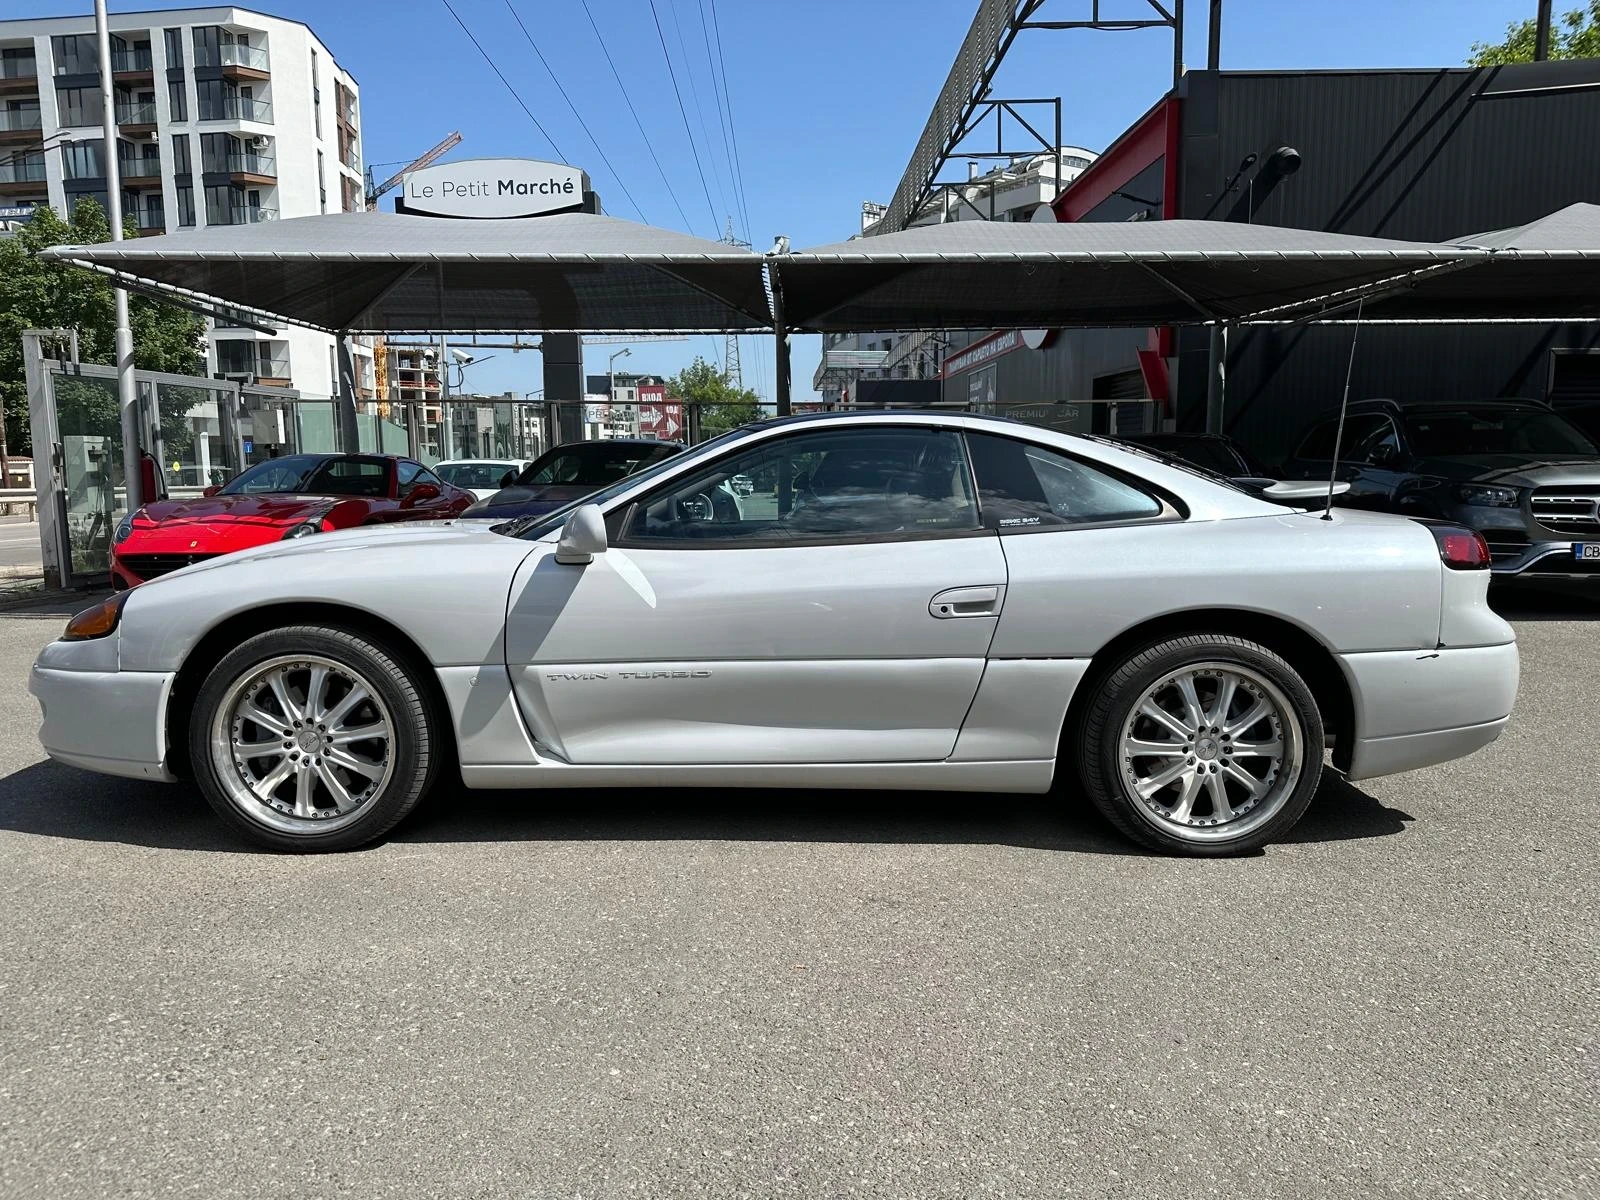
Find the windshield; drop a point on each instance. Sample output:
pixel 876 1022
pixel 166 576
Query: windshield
pixel 535 527
pixel 482 475
pixel 1494 430
pixel 314 474
pixel 591 464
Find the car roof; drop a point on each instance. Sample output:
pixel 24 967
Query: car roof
pixel 1414 405
pixel 614 442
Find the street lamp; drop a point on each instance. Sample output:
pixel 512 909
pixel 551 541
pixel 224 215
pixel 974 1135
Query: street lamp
pixel 611 372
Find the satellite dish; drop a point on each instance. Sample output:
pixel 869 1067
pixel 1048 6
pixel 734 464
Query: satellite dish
pixel 1037 339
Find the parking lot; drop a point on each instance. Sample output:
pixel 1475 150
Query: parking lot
pixel 763 994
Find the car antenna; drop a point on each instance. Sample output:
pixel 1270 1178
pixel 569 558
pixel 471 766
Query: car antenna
pixel 1344 406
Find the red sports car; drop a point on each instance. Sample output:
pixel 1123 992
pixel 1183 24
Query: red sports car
pixel 291 497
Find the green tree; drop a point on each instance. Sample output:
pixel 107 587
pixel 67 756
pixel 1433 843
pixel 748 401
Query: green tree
pixel 38 294
pixel 1575 35
pixel 721 405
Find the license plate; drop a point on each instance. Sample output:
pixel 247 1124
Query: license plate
pixel 1586 551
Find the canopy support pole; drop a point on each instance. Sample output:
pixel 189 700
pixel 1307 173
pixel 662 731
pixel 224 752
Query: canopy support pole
pixel 349 430
pixel 127 389
pixel 780 334
pixel 1217 379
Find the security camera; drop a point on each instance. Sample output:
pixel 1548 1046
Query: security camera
pixel 461 356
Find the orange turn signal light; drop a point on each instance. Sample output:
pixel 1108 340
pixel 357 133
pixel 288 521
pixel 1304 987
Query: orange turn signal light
pixel 96 622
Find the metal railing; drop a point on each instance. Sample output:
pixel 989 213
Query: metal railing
pixel 136 113
pixel 22 170
pixel 135 59
pixel 238 54
pixel 240 214
pixel 23 119
pixel 236 108
pixel 149 220
pixel 247 162
pixel 139 166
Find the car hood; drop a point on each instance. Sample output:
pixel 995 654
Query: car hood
pixel 418 537
pixel 1513 470
pixel 277 508
pixel 514 501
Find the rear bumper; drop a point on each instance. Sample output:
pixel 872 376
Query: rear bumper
pixel 1416 708
pixel 113 722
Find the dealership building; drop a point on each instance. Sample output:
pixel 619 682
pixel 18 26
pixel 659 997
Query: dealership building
pixel 1428 155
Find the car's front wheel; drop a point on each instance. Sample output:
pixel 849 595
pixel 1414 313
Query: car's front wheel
pixel 1204 745
pixel 312 738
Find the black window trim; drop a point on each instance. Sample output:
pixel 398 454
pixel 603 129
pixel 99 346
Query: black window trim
pixel 618 519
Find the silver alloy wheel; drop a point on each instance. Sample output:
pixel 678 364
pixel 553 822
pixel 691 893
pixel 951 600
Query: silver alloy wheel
pixel 302 744
pixel 1211 752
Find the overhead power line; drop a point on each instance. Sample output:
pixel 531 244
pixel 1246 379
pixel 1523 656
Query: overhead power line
pixel 684 113
pixel 723 106
pixel 545 132
pixel 648 145
pixel 565 95
pixel 733 129
pixel 694 95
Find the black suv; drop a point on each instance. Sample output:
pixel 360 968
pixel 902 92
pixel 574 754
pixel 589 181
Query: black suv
pixel 1524 477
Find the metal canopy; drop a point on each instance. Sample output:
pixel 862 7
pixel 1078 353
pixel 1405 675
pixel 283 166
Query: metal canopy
pixel 1004 275
pixel 1547 270
pixel 389 273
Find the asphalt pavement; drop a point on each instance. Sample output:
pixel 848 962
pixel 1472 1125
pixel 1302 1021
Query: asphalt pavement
pixel 778 994
pixel 19 546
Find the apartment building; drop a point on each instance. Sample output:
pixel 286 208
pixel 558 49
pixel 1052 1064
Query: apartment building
pixel 225 116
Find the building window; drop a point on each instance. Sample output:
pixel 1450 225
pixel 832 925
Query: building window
pixel 174 39
pixel 177 100
pixel 17 62
pixel 82 160
pixel 316 105
pixel 214 152
pixel 322 182
pixel 207 46
pixel 185 204
pixel 79 106
pixel 75 54
pixel 181 164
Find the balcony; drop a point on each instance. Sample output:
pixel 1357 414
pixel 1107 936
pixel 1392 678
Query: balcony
pixel 351 158
pixel 21 175
pixel 249 167
pixel 240 214
pixel 18 75
pixel 236 108
pixel 241 61
pixel 150 221
pixel 139 170
pixel 21 126
pixel 135 60
pixel 136 115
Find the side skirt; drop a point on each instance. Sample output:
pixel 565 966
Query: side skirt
pixel 1028 776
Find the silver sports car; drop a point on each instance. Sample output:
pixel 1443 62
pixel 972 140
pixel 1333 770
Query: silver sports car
pixel 898 600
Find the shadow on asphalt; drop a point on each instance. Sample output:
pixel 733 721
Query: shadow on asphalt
pixel 1533 602
pixel 50 800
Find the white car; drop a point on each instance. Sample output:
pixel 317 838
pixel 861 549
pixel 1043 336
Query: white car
pixel 483 477
pixel 928 602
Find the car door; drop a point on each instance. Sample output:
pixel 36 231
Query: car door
pixel 840 611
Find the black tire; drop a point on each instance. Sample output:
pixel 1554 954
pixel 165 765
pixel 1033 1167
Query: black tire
pixel 415 747
pixel 1098 745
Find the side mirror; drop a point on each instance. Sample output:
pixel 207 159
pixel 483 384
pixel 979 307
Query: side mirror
pixel 583 536
pixel 212 490
pixel 508 479
pixel 420 494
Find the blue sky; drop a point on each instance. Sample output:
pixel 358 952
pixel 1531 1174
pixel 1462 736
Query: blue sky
pixel 827 98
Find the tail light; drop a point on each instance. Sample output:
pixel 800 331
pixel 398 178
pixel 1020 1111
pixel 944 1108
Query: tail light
pixel 1461 549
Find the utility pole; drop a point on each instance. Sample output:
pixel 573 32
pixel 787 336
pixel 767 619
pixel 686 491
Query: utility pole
pixel 1541 32
pixel 127 398
pixel 731 367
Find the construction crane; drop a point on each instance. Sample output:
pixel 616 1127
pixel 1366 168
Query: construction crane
pixel 416 164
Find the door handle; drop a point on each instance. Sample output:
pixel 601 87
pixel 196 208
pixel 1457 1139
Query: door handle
pixel 980 601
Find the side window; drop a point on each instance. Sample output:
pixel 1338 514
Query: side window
pixel 1023 486
pixel 1318 444
pixel 412 474
pixel 835 485
pixel 351 477
pixel 1380 445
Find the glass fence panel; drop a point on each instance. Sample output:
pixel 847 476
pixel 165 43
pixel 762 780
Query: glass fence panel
pixel 192 447
pixel 90 426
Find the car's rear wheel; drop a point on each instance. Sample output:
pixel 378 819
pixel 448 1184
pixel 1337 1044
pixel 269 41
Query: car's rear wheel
pixel 1204 745
pixel 312 738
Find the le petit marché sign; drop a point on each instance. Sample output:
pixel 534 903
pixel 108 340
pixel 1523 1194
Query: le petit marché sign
pixel 494 187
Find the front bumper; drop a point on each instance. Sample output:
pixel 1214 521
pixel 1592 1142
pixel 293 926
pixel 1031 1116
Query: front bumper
pixel 1544 560
pixel 1417 708
pixel 109 721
